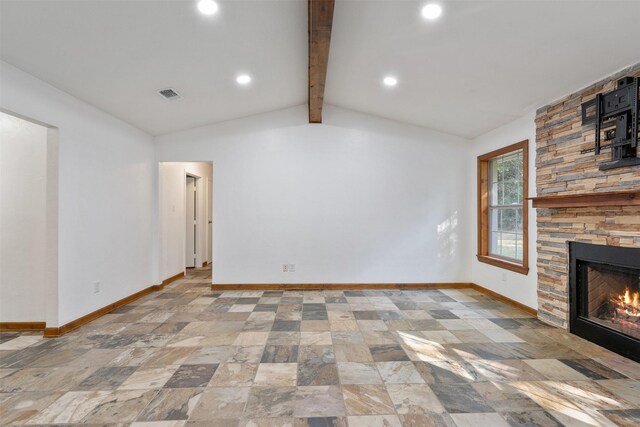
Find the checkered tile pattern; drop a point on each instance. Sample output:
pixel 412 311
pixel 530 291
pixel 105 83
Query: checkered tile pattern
pixel 191 356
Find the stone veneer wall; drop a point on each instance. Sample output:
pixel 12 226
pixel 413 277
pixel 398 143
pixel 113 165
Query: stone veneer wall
pixel 561 170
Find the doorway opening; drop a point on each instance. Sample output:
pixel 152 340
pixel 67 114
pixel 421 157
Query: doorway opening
pixel 28 223
pixel 186 223
pixel 191 217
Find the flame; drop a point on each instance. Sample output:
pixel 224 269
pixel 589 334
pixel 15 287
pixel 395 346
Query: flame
pixel 629 302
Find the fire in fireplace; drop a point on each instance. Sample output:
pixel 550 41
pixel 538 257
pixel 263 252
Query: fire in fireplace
pixel 609 300
pixel 605 296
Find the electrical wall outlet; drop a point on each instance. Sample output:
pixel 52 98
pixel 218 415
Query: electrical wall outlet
pixel 96 287
pixel 285 268
pixel 292 268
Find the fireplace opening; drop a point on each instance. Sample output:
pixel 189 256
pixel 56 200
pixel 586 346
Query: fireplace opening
pixel 612 297
pixel 605 296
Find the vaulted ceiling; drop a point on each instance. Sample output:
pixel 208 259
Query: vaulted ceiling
pixel 482 64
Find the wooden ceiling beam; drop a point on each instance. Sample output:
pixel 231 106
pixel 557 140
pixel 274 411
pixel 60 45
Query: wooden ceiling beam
pixel 320 23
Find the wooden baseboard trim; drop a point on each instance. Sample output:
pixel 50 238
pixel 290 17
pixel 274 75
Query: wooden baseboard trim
pixel 75 324
pixel 22 326
pixel 506 300
pixel 332 286
pixel 57 331
pixel 171 279
pixel 360 286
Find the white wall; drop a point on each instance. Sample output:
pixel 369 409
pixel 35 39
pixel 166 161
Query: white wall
pixel 357 199
pixel 107 195
pixel 172 214
pixel 510 284
pixel 23 221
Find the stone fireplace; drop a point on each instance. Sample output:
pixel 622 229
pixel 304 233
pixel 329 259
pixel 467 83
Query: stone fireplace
pixel 577 202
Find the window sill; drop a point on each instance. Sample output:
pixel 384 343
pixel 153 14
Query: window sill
pixel 507 265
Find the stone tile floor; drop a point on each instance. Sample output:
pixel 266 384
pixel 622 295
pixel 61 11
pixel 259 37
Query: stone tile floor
pixel 191 356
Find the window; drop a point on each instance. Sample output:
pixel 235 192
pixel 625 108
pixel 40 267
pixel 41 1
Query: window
pixel 502 209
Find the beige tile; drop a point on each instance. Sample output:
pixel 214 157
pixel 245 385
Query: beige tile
pixel 358 373
pixel 370 399
pixel 553 369
pixel 314 326
pixel 276 374
pixel 315 338
pixel 220 402
pixel 251 338
pixel 414 399
pixel 147 378
pixel 71 407
pixel 399 373
pixel 374 421
pixel 479 420
pixel 441 337
pixel 234 374
pixel 500 335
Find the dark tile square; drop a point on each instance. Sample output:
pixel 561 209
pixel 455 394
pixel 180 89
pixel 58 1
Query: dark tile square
pixel 170 328
pixel 407 305
pixel 592 369
pixel 266 308
pixel 489 351
pixel 460 398
pixel 531 419
pixel 533 323
pixel 118 341
pixel 507 323
pixel 321 422
pixel 280 354
pixel 107 378
pixel 388 353
pixel 389 315
pixel 247 300
pixel 191 376
pixel 286 325
pixel 314 307
pixel 354 293
pixel 442 314
pixel 272 294
pixel 366 315
pixel 314 315
pixel 434 374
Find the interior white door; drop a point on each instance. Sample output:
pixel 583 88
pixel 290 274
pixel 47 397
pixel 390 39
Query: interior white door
pixel 190 226
pixel 209 221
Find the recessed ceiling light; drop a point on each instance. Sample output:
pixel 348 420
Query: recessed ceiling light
pixel 390 81
pixel 207 7
pixel 243 79
pixel 432 11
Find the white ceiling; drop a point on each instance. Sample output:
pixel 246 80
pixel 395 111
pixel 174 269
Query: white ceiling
pixel 115 55
pixel 481 65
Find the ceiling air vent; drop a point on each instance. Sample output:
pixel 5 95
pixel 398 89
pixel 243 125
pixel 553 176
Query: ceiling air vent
pixel 169 94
